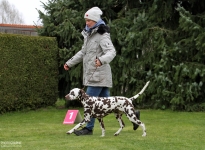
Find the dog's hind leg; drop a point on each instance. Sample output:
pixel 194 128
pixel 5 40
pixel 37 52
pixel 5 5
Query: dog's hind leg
pixel 142 125
pixel 119 118
pixel 133 119
pixel 102 126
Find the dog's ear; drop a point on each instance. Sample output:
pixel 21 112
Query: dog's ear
pixel 82 93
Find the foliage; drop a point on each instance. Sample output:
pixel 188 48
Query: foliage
pixel 29 72
pixel 157 40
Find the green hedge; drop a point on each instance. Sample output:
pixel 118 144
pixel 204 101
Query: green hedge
pixel 29 72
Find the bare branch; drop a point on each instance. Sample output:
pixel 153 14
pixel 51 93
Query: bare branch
pixel 9 14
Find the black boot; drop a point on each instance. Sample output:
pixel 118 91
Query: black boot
pixel 83 131
pixel 135 126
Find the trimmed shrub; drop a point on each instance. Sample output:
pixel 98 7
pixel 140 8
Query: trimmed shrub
pixel 29 72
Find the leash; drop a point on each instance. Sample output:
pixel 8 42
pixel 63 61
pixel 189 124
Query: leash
pixel 89 78
pixel 91 75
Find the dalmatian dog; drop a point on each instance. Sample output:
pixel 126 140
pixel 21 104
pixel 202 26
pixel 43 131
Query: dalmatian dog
pixel 99 107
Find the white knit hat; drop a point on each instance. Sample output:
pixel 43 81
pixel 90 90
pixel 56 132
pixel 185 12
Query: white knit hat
pixel 93 14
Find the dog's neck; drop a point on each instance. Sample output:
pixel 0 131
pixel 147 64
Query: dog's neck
pixel 83 97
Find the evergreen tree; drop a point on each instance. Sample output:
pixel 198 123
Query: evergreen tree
pixel 157 40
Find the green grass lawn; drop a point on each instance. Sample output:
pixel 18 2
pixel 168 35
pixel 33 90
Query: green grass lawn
pixel 43 129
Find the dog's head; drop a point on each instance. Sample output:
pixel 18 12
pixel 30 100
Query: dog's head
pixel 75 93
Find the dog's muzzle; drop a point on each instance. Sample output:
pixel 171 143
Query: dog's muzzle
pixel 67 97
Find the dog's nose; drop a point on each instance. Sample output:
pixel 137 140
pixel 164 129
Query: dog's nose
pixel 67 97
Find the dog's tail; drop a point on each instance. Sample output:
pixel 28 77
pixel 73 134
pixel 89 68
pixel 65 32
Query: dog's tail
pixel 136 96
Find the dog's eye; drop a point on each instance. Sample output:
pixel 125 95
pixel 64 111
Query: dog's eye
pixel 72 93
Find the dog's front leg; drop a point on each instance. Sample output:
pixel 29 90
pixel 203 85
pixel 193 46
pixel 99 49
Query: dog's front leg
pixel 85 120
pixel 102 126
pixel 77 126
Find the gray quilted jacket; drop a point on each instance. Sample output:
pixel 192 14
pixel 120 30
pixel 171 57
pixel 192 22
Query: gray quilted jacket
pixel 95 45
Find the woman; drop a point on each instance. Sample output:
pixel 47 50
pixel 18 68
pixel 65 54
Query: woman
pixel 96 54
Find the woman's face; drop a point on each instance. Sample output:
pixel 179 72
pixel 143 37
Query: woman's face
pixel 90 23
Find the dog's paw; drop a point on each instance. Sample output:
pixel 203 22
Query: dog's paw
pixel 144 134
pixel 69 132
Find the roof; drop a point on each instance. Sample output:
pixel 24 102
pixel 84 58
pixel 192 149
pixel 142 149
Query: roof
pixel 19 26
pixel 19 29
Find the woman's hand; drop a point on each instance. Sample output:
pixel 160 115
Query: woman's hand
pixel 97 62
pixel 66 67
